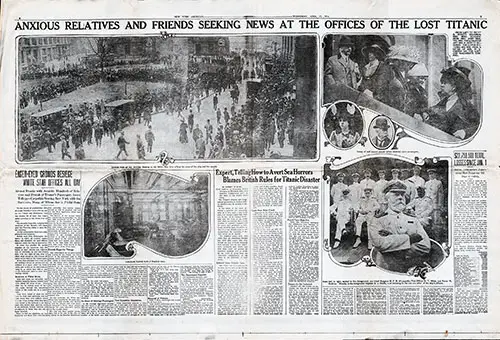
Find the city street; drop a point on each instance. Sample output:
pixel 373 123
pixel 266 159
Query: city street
pixel 166 129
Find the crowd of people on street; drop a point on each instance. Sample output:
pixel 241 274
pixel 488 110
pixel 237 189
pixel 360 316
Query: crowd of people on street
pixel 90 122
pixel 248 127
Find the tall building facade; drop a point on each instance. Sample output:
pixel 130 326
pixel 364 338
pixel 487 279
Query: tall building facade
pixel 39 50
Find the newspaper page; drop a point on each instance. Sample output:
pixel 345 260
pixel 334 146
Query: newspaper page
pixel 218 169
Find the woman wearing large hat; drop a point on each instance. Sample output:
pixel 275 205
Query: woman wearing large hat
pixel 376 74
pixel 454 114
pixel 343 137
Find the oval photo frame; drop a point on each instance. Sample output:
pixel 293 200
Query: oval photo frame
pixel 343 124
pixel 381 132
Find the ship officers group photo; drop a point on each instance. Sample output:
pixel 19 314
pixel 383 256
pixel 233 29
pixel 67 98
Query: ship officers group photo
pixel 396 211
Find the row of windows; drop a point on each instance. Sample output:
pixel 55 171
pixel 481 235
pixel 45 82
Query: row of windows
pixel 42 54
pixel 44 41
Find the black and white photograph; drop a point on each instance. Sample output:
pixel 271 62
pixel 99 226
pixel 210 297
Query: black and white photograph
pixel 408 78
pixel 391 210
pixel 129 98
pixel 162 212
pixel 381 133
pixel 343 124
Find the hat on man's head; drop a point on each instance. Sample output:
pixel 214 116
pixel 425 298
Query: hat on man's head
pixel 345 41
pixel 416 167
pixel 381 123
pixel 340 174
pixel 355 174
pixel 367 171
pixel 394 186
pixel 431 171
pixel 395 170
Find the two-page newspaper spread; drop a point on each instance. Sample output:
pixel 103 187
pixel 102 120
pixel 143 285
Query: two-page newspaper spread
pixel 216 169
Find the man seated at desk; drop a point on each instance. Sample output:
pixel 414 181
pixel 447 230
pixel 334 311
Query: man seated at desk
pixel 399 238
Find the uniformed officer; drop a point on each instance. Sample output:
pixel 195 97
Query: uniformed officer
pixel 411 191
pixel 416 179
pixel 355 189
pixel 423 210
pixel 368 205
pixel 379 187
pixel 395 174
pixel 434 189
pixel 342 210
pixel 367 181
pixel 400 238
pixel 337 188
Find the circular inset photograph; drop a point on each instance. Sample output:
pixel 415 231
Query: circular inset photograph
pixel 343 124
pixel 381 132
pixel 162 212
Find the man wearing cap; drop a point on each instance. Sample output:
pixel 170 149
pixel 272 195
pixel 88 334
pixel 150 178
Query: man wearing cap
pixel 342 210
pixel 355 189
pixel 341 69
pixel 416 179
pixel 395 174
pixel 64 148
pixel 122 145
pixel 400 238
pixel 337 188
pixel 150 137
pixel 367 181
pixel 381 140
pixel 368 205
pixel 411 191
pixel 434 189
pixel 378 190
pixel 423 209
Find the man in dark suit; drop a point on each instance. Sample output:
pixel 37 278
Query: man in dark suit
pixel 341 68
pixel 381 140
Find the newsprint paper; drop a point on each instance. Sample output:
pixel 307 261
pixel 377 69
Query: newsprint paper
pixel 249 170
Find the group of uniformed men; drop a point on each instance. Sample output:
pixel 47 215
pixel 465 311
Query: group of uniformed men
pixel 367 201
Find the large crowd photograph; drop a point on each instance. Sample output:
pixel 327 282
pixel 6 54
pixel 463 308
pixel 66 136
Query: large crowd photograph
pixel 389 210
pixel 130 98
pixel 408 78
